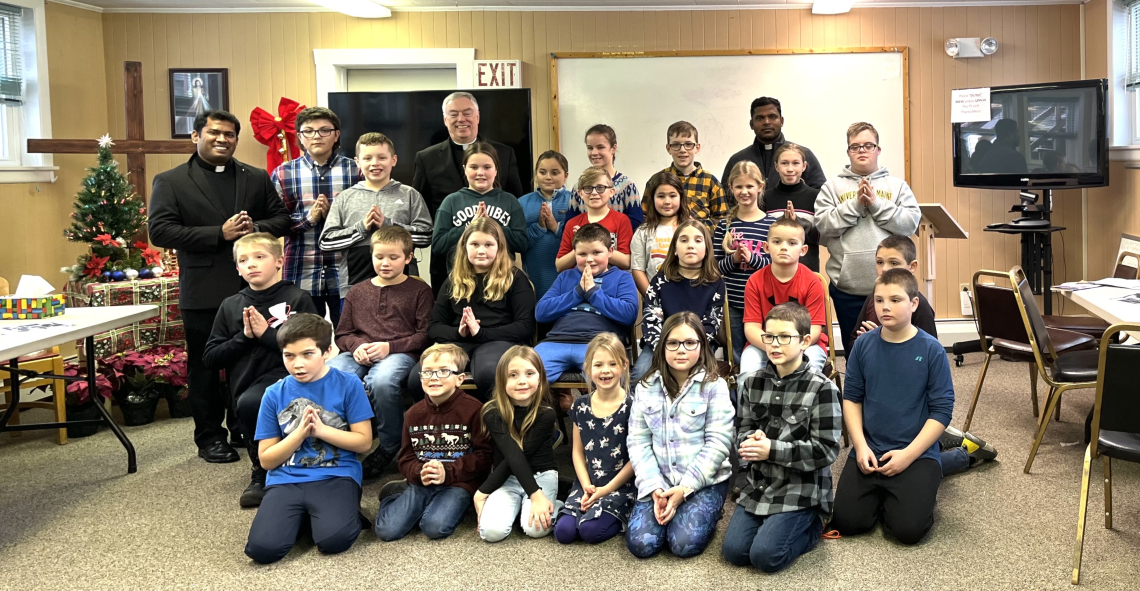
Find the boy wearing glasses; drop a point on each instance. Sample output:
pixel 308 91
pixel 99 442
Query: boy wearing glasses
pixel 309 185
pixel 376 202
pixel 445 453
pixel 383 327
pixel 596 188
pixel 790 419
pixel 853 213
pixel 707 201
pixel 783 281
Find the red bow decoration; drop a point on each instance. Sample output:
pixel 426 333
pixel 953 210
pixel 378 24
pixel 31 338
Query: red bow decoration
pixel 277 132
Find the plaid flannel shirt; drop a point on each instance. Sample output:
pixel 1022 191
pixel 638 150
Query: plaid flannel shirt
pixel 707 201
pixel 299 182
pixel 801 415
pixel 682 441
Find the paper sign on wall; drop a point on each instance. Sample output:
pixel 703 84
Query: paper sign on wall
pixel 969 105
pixel 498 74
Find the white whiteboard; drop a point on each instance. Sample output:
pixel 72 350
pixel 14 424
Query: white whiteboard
pixel 821 95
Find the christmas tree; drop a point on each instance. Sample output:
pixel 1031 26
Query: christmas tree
pixel 107 214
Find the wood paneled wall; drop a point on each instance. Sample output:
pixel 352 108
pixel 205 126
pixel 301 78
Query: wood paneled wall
pixel 270 55
pixel 35 214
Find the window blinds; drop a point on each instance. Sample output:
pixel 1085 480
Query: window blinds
pixel 1133 77
pixel 11 70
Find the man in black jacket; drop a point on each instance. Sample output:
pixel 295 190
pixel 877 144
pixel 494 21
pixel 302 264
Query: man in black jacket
pixel 438 169
pixel 767 122
pixel 200 208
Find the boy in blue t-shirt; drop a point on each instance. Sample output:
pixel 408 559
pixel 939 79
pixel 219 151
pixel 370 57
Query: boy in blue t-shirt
pixel 586 300
pixel 897 401
pixel 310 428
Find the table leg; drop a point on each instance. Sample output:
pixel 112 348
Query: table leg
pixel 89 346
pixel 14 397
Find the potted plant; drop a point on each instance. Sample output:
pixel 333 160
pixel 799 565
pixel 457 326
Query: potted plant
pixel 79 403
pixel 157 373
pixel 172 369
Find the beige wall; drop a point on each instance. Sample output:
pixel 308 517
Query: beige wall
pixel 270 55
pixel 34 214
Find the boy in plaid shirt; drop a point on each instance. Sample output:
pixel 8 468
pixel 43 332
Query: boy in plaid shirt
pixel 707 201
pixel 790 419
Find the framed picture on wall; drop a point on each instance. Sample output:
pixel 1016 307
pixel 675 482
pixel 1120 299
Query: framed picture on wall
pixel 193 92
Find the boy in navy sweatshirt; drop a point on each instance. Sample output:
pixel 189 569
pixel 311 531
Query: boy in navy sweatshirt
pixel 897 402
pixel 244 338
pixel 589 299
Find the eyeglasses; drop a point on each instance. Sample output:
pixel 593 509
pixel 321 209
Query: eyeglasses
pixel 442 374
pixel 689 345
pixel 455 114
pixel 779 339
pixel 676 146
pixel 598 189
pixel 312 133
pixel 867 147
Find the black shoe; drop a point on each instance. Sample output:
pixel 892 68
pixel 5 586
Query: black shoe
pixel 252 495
pixel 979 450
pixel 393 488
pixel 218 452
pixel 375 464
pixel 237 441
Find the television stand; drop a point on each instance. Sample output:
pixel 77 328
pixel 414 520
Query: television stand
pixel 1036 246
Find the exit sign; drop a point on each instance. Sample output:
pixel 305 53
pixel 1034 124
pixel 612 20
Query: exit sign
pixel 498 74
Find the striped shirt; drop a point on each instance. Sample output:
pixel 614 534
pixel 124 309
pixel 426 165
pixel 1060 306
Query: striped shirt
pixel 626 199
pixel 707 201
pixel 801 416
pixel 752 234
pixel 299 182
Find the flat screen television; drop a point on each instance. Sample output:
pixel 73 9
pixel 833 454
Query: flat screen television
pixel 1038 136
pixel 414 121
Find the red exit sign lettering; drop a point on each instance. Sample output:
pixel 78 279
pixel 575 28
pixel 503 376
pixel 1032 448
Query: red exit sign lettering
pixel 498 74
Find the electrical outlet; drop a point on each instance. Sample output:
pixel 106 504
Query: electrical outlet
pixel 966 299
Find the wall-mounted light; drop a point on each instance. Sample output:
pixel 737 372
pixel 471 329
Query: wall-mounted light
pixel 357 8
pixel 965 47
pixel 831 6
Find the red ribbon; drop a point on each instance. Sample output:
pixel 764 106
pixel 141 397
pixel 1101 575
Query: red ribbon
pixel 278 132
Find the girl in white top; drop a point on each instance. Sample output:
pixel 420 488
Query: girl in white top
pixel 668 208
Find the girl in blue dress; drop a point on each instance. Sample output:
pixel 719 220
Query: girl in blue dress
pixel 603 494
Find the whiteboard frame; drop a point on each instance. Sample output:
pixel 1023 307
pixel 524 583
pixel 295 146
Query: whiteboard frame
pixel 904 50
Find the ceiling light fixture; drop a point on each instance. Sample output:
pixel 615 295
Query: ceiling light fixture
pixel 357 8
pixel 831 6
pixel 967 47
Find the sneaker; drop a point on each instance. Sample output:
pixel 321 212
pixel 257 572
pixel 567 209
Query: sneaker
pixel 979 450
pixel 375 464
pixel 252 495
pixel 393 488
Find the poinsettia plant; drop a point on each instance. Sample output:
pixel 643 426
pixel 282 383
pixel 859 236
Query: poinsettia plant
pixel 78 391
pixel 156 372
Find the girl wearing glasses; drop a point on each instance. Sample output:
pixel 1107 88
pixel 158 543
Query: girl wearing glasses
pixel 601 149
pixel 794 198
pixel 596 187
pixel 688 281
pixel 597 508
pixel 669 206
pixel 738 243
pixel 524 480
pixel 680 431
pixel 485 306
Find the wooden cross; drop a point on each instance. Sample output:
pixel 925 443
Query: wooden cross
pixel 136 147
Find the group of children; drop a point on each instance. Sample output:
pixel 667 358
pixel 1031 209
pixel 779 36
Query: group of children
pixel 654 441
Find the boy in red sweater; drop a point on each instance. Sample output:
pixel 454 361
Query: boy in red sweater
pixel 383 327
pixel 445 453
pixel 785 280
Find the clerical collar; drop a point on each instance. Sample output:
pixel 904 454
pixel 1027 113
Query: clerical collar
pixel 465 146
pixel 212 167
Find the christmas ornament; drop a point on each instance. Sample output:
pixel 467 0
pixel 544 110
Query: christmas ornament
pixel 131 274
pixel 118 275
pixel 106 276
pixel 157 271
pixel 145 273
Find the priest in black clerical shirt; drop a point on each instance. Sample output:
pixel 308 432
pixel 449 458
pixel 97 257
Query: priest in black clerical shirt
pixel 200 208
pixel 438 169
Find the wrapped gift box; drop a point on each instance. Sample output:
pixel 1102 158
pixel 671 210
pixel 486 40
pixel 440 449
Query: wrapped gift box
pixel 14 308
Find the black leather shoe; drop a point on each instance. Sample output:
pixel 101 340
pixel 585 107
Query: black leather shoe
pixel 252 495
pixel 236 440
pixel 218 452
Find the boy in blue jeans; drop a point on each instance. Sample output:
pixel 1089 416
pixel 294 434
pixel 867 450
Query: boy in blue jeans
pixel 589 299
pixel 445 455
pixel 897 402
pixel 310 428
pixel 382 330
pixel 788 434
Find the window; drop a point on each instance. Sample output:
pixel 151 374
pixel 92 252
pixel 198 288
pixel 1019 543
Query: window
pixel 24 103
pixel 1132 68
pixel 11 84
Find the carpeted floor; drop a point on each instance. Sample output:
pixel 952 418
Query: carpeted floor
pixel 71 518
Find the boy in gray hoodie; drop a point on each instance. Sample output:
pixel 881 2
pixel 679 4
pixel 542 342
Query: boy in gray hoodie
pixel 365 207
pixel 853 213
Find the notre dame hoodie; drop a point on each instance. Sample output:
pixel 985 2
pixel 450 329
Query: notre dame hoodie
pixel 248 359
pixel 459 208
pixel 851 232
